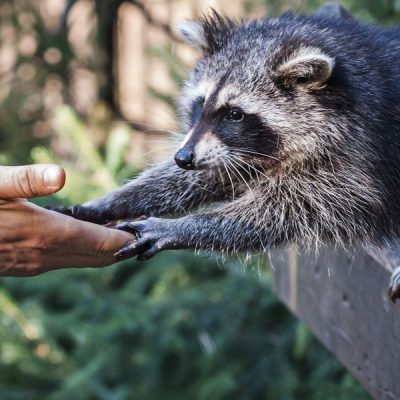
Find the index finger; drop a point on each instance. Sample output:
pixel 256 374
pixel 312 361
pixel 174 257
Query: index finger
pixel 86 237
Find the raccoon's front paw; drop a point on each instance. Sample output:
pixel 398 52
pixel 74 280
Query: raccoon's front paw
pixel 394 285
pixel 81 212
pixel 152 236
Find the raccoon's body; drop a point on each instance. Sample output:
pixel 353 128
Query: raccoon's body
pixel 293 122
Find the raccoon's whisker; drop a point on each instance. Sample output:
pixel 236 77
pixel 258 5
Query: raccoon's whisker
pixel 243 163
pixel 165 146
pixel 221 175
pixel 148 153
pixel 166 142
pixel 202 185
pixel 231 162
pixel 248 165
pixel 150 128
pixel 250 152
pixel 169 118
pixel 162 130
pixel 257 156
pixel 230 179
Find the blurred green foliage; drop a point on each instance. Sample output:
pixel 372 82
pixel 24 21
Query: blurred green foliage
pixel 176 327
pixel 98 172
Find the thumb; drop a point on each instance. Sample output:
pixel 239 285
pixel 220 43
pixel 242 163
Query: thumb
pixel 30 181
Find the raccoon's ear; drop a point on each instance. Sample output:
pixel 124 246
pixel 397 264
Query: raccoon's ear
pixel 308 67
pixel 210 34
pixel 192 32
pixel 332 9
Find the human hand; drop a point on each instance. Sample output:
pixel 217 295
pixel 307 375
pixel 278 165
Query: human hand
pixel 34 240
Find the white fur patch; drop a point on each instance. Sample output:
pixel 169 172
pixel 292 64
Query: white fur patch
pixel 208 150
pixel 202 89
pixel 304 61
pixel 305 54
pixel 207 144
pixel 226 95
pixel 192 32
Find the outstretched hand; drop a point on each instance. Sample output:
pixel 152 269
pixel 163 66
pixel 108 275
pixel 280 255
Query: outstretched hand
pixel 34 240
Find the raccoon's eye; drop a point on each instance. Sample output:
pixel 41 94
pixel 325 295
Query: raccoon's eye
pixel 235 115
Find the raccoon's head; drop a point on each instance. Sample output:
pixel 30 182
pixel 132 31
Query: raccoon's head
pixel 256 94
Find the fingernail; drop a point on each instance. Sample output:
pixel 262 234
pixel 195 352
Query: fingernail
pixel 52 177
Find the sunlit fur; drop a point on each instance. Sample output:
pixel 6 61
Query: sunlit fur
pixel 331 174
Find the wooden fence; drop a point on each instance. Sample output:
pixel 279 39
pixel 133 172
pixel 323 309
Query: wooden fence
pixel 342 297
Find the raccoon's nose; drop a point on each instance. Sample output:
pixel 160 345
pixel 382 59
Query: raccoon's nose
pixel 184 158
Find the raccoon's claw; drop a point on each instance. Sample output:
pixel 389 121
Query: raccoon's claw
pixel 80 212
pixel 136 248
pixel 153 235
pixel 394 285
pixel 126 252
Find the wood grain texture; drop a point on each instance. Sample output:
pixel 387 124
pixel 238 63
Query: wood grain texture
pixel 343 299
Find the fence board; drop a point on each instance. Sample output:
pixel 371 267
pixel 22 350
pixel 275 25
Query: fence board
pixel 343 299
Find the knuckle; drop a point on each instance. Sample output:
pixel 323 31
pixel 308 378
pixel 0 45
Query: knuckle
pixel 24 181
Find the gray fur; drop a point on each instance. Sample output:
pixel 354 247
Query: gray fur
pixel 320 163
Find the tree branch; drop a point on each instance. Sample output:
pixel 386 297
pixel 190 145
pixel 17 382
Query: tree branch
pixel 151 20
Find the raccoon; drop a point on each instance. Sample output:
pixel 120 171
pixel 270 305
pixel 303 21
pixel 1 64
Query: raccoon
pixel 291 135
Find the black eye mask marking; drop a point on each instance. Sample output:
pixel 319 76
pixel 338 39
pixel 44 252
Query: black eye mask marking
pixel 197 107
pixel 245 132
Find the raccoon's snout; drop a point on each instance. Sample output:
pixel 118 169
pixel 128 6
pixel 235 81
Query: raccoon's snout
pixel 184 158
pixel 200 150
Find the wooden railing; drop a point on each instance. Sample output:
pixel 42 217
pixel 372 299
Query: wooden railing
pixel 343 299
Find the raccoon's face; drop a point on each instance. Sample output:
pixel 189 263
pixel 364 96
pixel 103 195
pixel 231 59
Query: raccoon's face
pixel 251 98
pixel 221 130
